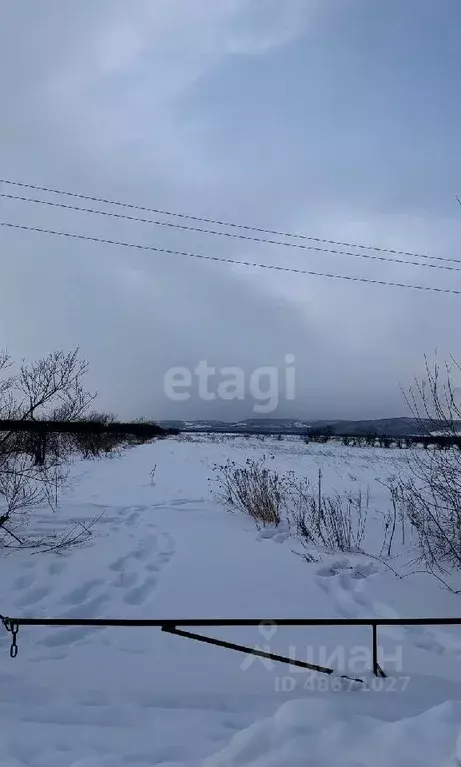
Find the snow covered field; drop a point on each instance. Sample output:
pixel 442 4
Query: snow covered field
pixel 86 697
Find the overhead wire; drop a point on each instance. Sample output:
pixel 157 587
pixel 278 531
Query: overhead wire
pixel 156 249
pixel 169 224
pixel 217 222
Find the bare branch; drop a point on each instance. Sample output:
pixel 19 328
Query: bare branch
pixel 32 466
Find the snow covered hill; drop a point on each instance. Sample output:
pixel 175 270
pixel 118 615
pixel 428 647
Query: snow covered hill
pixel 85 697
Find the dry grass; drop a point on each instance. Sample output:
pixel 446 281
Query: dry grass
pixel 253 489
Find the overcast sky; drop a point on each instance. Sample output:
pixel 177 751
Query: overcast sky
pixel 335 118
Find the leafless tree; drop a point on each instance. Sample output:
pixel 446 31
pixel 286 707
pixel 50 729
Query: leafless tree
pixel 32 472
pixel 431 492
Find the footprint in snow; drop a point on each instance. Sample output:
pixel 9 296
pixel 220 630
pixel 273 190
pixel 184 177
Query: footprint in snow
pixel 277 533
pixel 89 609
pixel 56 568
pixel 139 570
pixel 126 580
pixel 33 596
pixel 118 564
pixel 139 594
pixel 132 518
pixel 64 637
pixel 23 582
pixel 425 641
pixel 341 581
pixel 153 567
pixel 68 636
pixel 326 572
pixel 146 548
pixel 82 592
pixel 343 568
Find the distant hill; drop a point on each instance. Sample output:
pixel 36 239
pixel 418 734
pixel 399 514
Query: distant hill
pixel 392 427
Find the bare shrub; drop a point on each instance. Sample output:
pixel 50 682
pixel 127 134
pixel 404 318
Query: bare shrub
pixel 431 498
pixel 321 435
pixel 395 518
pixel 253 489
pixel 57 542
pixel 335 522
pixel 431 492
pixel 93 444
pixel 32 467
pixel 370 438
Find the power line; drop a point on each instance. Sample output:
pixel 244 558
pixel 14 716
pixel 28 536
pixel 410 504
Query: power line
pixel 234 235
pixel 217 222
pixel 155 249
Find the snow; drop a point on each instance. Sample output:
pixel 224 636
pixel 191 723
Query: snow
pixel 90 697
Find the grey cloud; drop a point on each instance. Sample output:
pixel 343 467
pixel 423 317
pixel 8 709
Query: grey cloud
pixel 239 111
